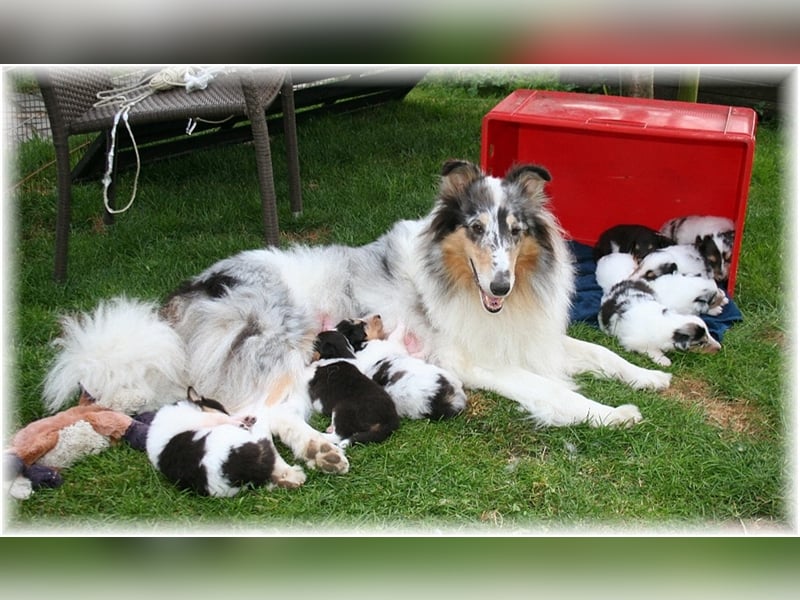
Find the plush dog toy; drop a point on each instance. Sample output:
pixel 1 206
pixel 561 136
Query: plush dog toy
pixel 41 449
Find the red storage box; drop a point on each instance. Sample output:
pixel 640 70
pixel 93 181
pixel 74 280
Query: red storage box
pixel 618 160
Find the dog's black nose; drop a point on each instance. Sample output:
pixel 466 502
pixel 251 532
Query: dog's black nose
pixel 500 287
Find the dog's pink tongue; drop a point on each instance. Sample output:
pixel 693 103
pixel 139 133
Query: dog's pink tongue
pixel 492 303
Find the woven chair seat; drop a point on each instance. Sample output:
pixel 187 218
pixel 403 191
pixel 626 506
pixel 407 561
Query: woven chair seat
pixel 70 95
pixel 222 98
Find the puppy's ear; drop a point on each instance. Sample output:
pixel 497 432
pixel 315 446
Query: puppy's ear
pixel 457 175
pixel 530 178
pixel 193 396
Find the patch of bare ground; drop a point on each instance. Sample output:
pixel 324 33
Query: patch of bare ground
pixel 477 404
pixel 774 336
pixel 319 235
pixel 736 415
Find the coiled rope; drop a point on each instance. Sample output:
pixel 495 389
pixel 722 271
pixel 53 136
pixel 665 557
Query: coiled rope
pixel 128 96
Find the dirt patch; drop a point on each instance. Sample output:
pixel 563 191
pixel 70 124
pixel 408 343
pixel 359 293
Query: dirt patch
pixel 478 404
pixel 737 415
pixel 774 336
pixel 312 237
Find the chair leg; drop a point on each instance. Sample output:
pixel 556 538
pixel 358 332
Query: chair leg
pixel 63 209
pixel 258 124
pixel 290 136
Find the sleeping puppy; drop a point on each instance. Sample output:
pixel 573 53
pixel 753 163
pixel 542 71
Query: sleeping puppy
pixel 631 313
pixel 419 389
pixel 713 236
pixel 685 259
pixel 360 409
pixel 685 294
pixel 198 446
pixel 637 240
pixel 689 294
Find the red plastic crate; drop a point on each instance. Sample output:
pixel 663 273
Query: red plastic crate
pixel 621 160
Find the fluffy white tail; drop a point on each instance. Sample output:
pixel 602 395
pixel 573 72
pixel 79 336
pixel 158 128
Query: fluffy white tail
pixel 122 353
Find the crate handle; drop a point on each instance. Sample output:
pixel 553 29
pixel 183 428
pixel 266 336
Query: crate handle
pixel 623 122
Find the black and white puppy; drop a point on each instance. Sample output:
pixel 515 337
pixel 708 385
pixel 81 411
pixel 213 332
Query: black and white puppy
pixel 360 409
pixel 685 294
pixel 689 294
pixel 418 388
pixel 712 236
pixel 631 312
pixel 629 239
pixel 198 446
pixel 685 259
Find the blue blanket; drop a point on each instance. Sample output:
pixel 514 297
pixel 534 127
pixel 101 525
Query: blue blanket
pixel 586 302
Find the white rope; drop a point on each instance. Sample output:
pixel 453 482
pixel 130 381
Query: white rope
pixel 190 78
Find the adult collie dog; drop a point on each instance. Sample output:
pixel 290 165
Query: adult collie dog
pixel 483 283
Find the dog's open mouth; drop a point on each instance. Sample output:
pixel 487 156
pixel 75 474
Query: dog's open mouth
pixel 492 304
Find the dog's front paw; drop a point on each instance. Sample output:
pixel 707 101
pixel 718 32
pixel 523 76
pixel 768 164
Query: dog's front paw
pixel 290 477
pixel 626 415
pixel 650 379
pixel 326 456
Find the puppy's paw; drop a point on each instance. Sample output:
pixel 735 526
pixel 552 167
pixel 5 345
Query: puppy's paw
pixel 326 456
pixel 289 477
pixel 662 361
pixel 247 422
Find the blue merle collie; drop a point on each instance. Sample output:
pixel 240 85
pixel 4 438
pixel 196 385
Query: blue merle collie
pixel 198 446
pixel 360 409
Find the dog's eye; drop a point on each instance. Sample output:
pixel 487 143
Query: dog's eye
pixel 477 228
pixel 516 230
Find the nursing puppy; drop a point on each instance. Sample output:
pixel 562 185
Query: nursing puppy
pixel 198 446
pixel 419 389
pixel 360 409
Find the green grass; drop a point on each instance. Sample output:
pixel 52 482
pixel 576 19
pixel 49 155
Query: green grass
pixel 488 471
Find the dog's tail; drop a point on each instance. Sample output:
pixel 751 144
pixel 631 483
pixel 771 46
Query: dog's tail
pixel 122 354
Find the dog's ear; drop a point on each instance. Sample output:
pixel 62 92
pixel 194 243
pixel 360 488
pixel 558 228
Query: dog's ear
pixel 531 178
pixel 457 175
pixel 193 396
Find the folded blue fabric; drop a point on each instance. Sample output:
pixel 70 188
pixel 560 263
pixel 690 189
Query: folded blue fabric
pixel 586 301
